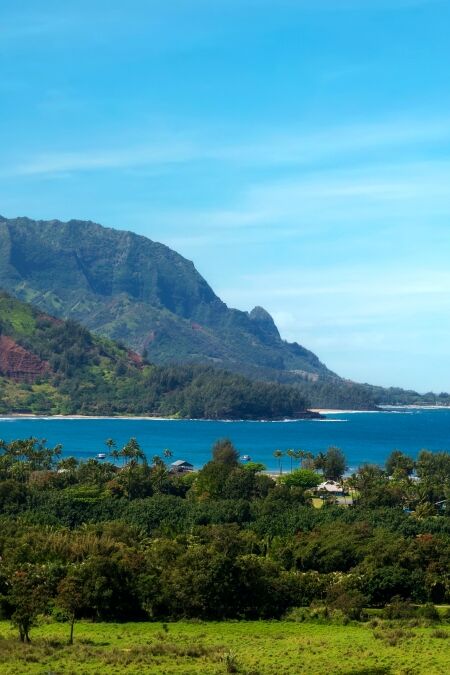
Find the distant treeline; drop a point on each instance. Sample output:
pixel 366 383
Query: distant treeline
pixel 125 538
pixel 341 394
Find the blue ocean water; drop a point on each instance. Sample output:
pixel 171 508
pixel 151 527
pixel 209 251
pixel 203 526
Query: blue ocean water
pixel 364 437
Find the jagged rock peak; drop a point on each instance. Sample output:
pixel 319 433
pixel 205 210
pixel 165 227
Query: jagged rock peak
pixel 264 320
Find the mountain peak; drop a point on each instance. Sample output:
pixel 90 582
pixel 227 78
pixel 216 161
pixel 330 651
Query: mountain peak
pixel 264 320
pixel 144 294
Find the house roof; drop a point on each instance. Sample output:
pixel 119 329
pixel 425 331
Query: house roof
pixel 181 462
pixel 330 486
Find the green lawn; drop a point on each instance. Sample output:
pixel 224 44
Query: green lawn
pixel 250 648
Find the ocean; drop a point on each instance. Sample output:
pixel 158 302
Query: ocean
pixel 365 437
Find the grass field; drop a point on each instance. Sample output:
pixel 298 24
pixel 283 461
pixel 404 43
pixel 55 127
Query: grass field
pixel 250 648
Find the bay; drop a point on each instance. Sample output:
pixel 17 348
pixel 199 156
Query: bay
pixel 363 436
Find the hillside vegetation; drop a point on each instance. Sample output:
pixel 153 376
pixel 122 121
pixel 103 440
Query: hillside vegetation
pixel 54 366
pixel 333 589
pixel 131 289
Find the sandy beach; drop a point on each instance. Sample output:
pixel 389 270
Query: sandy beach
pixel 89 417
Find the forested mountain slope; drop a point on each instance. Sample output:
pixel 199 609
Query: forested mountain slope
pixel 129 288
pixel 50 365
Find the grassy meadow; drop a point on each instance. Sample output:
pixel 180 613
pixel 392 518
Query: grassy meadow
pixel 250 648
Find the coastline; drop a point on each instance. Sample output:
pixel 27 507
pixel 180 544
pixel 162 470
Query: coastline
pixel 331 411
pixel 382 408
pixel 87 417
pixel 316 411
pixel 306 415
pixel 29 416
pixel 415 406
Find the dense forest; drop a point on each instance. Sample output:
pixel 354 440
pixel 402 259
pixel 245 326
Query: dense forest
pixel 51 366
pixel 131 539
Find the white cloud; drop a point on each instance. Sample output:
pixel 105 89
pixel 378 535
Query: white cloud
pixel 385 197
pixel 288 149
pixel 94 160
pixel 344 301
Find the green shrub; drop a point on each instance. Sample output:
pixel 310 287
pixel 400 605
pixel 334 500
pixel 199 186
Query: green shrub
pixel 429 612
pixel 399 609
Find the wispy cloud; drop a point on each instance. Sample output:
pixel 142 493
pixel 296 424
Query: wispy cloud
pixel 364 282
pixel 298 147
pixel 378 195
pixel 290 149
pixel 106 159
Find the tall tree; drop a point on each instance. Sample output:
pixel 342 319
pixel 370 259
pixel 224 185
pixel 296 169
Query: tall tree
pixel 335 464
pixel 133 451
pixel 224 452
pixel 114 452
pixel 399 464
pixel 28 595
pixel 71 597
pixel 292 455
pixel 278 454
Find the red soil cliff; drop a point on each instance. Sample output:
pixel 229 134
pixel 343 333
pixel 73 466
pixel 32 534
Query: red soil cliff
pixel 19 364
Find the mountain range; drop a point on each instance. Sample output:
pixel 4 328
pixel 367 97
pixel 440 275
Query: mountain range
pixel 131 289
pixel 55 366
pixel 148 297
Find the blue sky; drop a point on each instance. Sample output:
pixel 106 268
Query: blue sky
pixel 298 151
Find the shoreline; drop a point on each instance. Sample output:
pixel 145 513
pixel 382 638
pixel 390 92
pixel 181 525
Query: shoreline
pixel 87 417
pixel 382 408
pixel 415 406
pixel 331 411
pixel 30 416
pixel 320 411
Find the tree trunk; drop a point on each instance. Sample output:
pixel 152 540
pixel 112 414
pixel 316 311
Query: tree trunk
pixel 71 630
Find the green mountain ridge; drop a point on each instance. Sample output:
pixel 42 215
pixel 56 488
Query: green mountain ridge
pixel 127 288
pixel 51 366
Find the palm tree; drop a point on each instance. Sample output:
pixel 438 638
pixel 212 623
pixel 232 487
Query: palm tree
pixel 167 453
pixel 299 454
pixel 115 454
pixel 279 455
pixel 292 455
pixel 320 461
pixel 308 460
pixel 68 464
pixel 352 485
pixel 113 450
pixel 157 461
pixel 133 451
pixel 133 454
